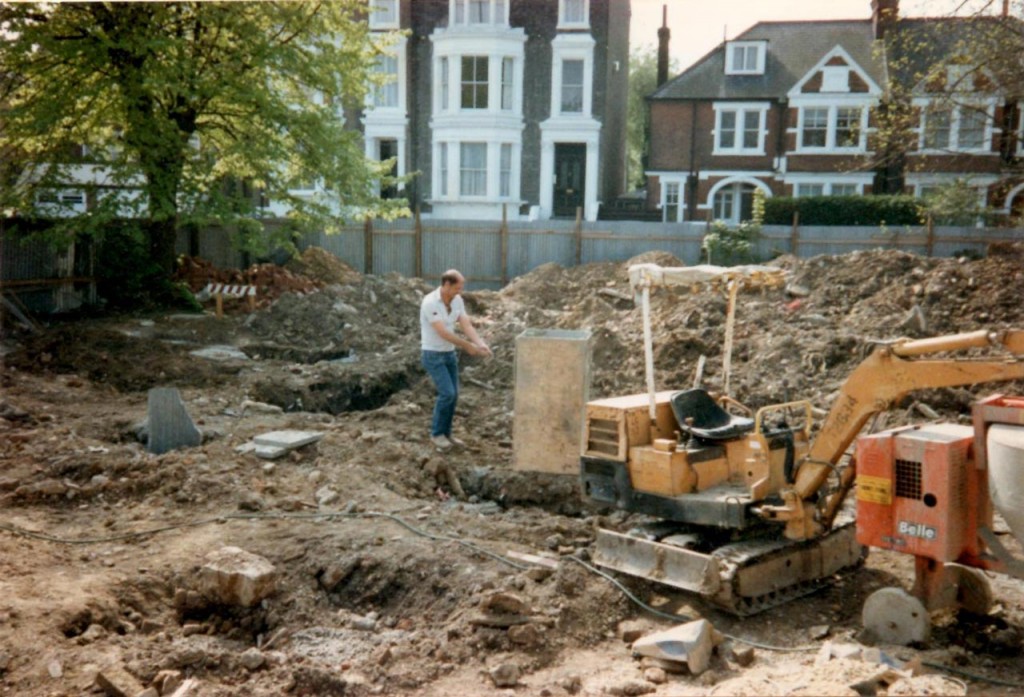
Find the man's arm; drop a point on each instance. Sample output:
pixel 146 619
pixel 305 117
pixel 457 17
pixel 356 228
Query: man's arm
pixel 469 330
pixel 469 347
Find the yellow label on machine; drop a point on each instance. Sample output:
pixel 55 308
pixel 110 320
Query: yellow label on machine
pixel 874 490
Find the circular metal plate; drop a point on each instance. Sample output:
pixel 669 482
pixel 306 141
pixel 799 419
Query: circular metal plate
pixel 896 617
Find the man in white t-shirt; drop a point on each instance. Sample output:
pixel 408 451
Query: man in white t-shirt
pixel 440 311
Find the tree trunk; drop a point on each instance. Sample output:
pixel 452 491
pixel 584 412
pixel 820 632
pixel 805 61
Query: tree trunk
pixel 162 234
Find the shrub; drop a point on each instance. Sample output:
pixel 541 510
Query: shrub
pixel 844 210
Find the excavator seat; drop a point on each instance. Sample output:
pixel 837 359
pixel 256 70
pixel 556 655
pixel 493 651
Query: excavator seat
pixel 699 415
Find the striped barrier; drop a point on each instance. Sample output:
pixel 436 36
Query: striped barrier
pixel 219 291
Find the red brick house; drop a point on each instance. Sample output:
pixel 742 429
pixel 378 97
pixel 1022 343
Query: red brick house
pixel 793 109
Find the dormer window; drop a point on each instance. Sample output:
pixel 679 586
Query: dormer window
pixel 745 57
pixel 573 14
pixel 476 12
pixel 384 14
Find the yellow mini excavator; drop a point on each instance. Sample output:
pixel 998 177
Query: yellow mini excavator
pixel 748 506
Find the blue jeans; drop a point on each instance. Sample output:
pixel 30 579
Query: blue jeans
pixel 443 369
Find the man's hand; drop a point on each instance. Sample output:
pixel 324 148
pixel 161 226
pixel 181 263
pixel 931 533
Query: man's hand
pixel 483 349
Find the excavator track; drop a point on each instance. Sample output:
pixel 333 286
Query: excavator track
pixel 742 578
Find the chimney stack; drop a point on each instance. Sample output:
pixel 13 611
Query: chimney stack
pixel 884 14
pixel 663 36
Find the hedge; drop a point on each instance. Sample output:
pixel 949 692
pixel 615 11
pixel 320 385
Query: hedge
pixel 843 210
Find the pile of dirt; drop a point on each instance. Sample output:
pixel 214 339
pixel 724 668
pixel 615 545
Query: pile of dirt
pixel 391 557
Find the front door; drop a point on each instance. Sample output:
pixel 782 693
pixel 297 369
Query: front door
pixel 570 175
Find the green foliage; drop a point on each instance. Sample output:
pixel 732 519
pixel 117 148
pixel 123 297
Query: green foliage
pixel 955 203
pixel 643 80
pixel 727 246
pixel 127 278
pixel 182 99
pixel 844 210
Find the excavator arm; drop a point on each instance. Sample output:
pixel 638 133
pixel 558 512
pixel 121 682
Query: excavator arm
pixel 887 375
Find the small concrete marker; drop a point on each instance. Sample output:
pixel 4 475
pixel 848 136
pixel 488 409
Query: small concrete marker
pixel 170 426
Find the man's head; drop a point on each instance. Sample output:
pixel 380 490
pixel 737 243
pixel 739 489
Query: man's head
pixel 451 283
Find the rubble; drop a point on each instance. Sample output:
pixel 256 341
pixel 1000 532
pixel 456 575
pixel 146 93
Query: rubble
pixel 397 570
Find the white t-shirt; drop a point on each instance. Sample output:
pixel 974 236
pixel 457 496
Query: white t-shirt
pixel 432 309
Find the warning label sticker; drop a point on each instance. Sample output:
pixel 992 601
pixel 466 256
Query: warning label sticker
pixel 874 490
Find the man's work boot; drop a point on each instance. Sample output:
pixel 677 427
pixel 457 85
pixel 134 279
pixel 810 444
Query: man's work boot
pixel 456 442
pixel 441 443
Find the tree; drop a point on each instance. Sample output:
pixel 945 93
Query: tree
pixel 177 100
pixel 952 81
pixel 643 81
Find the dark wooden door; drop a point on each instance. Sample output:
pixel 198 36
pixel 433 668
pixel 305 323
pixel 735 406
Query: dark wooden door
pixel 570 178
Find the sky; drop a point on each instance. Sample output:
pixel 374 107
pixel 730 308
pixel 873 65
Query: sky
pixel 697 26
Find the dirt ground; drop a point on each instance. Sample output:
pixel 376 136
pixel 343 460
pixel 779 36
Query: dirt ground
pixel 389 554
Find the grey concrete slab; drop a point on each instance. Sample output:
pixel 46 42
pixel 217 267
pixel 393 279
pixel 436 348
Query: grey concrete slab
pixel 170 426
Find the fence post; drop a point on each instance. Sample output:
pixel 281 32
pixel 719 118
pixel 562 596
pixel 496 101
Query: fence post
pixel 368 245
pixel 503 234
pixel 578 232
pixel 418 244
pixel 931 234
pixel 794 235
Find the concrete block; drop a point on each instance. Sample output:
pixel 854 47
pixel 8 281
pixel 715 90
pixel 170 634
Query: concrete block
pixel 233 576
pixel 170 426
pixel 690 643
pixel 288 439
pixel 552 388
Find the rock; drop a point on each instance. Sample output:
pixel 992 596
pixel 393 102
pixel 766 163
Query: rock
pixel 674 667
pixel 192 628
pixel 691 642
pixel 91 634
pixel 504 604
pixel 55 669
pixel 528 635
pixel 819 631
pixel 233 576
pixel 631 687
pixel 744 657
pixel 117 682
pixel 572 683
pixel 167 681
pixel 189 688
pixel 631 630
pixel 5 661
pixel 504 675
pixel 252 659
pixel 149 692
pixel 325 496
pixel 335 574
pixel 364 624
pixel 655 675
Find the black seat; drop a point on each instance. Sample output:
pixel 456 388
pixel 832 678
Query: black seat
pixel 701 416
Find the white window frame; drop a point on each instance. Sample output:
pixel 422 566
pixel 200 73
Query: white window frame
pixel 505 157
pixel 668 186
pixel 827 181
pixel 474 172
pixel 759 47
pixel 61 203
pixel 398 51
pixel 741 109
pixel 563 85
pixel 572 47
pixel 385 14
pixel 956 116
pixel 486 83
pixel 565 23
pixel 459 13
pixel 392 89
pixel 832 110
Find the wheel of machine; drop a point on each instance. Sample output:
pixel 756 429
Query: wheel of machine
pixel 973 591
pixel 894 616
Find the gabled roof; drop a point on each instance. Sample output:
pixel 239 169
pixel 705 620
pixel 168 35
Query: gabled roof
pixel 794 48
